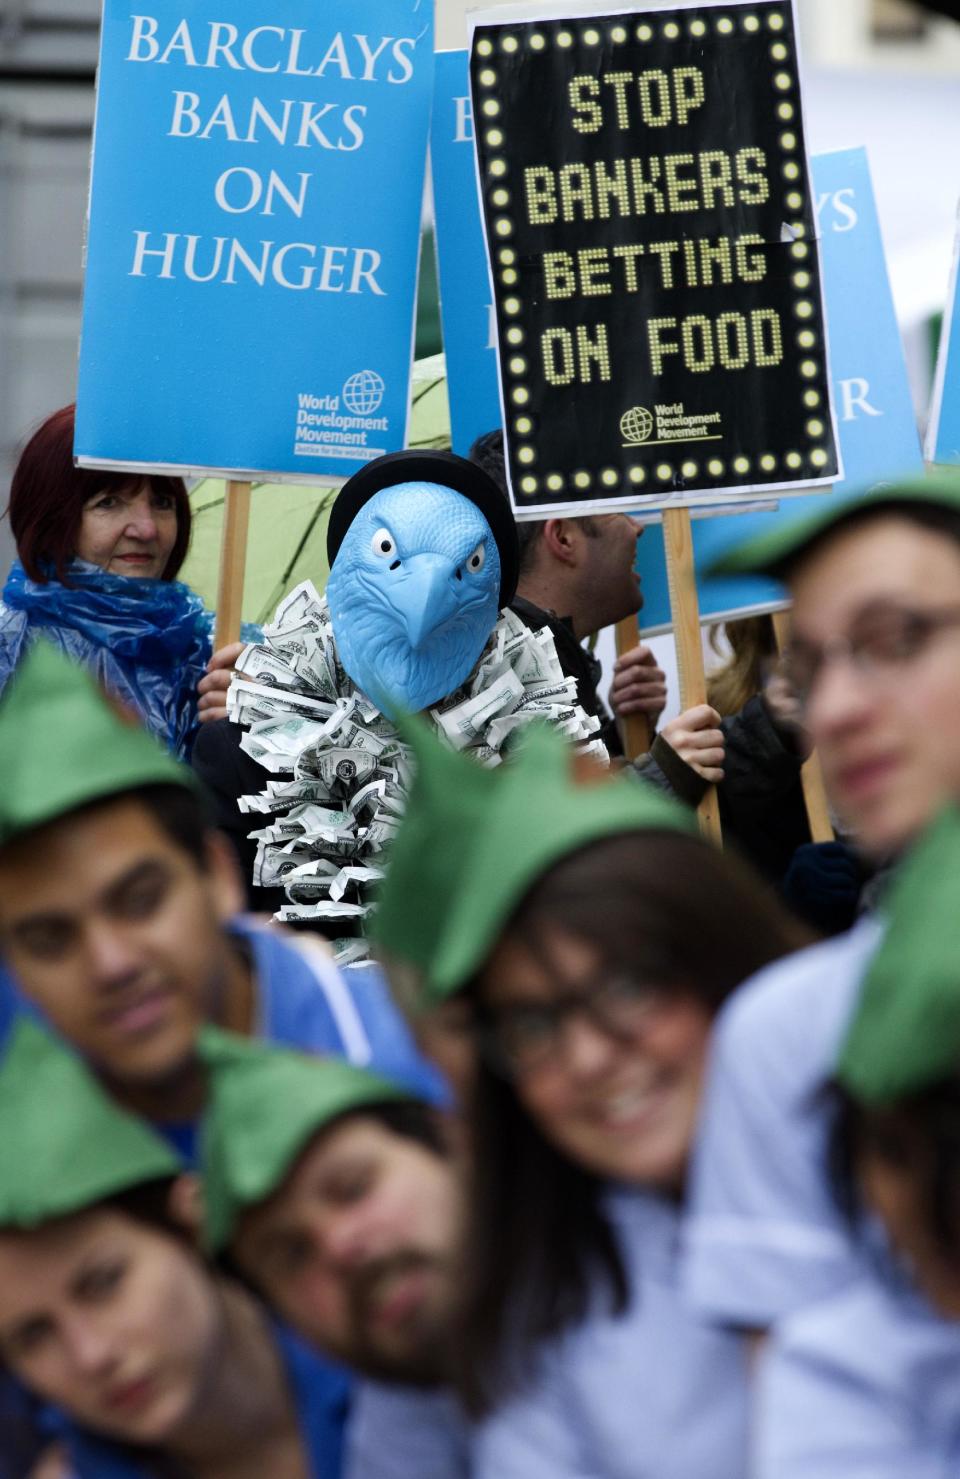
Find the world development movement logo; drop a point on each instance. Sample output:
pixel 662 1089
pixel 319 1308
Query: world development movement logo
pixel 363 392
pixel 636 425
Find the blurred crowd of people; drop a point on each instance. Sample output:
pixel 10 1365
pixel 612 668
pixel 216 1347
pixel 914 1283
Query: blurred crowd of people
pixel 623 1156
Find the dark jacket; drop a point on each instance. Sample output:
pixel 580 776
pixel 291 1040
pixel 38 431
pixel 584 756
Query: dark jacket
pixel 577 662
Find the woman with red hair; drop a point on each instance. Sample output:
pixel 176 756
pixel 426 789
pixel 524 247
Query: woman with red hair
pixel 98 556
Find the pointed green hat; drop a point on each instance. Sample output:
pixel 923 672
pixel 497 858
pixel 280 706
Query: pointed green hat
pixel 65 1145
pixel 534 813
pixel 63 744
pixel 264 1104
pixel 775 552
pixel 425 858
pixel 906 1030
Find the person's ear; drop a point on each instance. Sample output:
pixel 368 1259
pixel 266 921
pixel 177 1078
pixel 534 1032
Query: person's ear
pixel 185 1205
pixel 561 538
pixel 223 870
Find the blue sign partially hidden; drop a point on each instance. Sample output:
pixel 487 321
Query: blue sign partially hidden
pixel 254 236
pixel 875 416
pixel 943 433
pixel 466 306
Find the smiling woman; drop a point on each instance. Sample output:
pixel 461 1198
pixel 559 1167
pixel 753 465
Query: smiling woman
pixel 99 553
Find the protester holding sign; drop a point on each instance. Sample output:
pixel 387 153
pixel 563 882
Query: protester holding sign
pixel 98 555
pixel 595 937
pixel 109 1313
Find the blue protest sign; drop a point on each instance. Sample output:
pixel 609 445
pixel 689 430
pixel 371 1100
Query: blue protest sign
pixel 253 236
pixel 466 309
pixel 875 416
pixel 943 433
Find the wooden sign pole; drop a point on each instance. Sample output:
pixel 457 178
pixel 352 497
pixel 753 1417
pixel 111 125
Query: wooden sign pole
pixel 636 728
pixel 811 776
pixel 685 609
pixel 233 563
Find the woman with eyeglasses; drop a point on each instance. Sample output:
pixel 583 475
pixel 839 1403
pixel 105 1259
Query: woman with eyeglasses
pixel 595 937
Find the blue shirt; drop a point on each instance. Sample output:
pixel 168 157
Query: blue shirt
pixel 320 1391
pixel 305 1001
pixel 863 1385
pixel 649 1394
pixel 763 1235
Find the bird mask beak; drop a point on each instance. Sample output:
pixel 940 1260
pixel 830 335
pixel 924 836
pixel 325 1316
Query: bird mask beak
pixel 425 597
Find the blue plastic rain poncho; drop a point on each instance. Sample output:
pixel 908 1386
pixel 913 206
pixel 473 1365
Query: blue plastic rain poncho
pixel 147 641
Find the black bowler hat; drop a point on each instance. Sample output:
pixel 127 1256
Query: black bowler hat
pixel 431 467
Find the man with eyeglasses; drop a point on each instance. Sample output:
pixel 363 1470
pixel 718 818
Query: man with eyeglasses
pixel 874 658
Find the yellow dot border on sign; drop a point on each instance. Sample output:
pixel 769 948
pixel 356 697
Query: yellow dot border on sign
pixel 619 34
pixel 716 468
pixel 751 23
pixel 523 426
pixel 698 28
pixel 791 170
pixel 819 457
pixel 563 39
pixel 671 31
pixel 664 472
pixel 487 77
pixel 500 197
pixel 794 201
pixel 741 465
pixel 779 52
pixel 644 33
pixel 490 107
pixel 788 142
pixel 689 469
pixel 528 486
pixel 582 479
pixel 637 474
pixel 494 138
pixel 610 477
pixel 811 399
pixel 775 21
pixel 526 454
pixel 518 365
pixel 509 277
pixel 785 112
pixel 509 43
pixel 555 482
pixel 497 168
pixel 807 339
pixel 591 36
pixel 724 26
pixel 768 463
pixel 520 395
pixel 800 250
pixel 515 334
pixel 803 308
pixel 814 429
pixel 782 81
pixel 809 369
pixel 793 460
pixel 801 279
pixel 484 47
pixel 537 41
pixel 504 226
pixel 507 256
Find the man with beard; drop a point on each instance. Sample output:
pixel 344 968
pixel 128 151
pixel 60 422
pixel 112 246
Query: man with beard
pixel 336 1193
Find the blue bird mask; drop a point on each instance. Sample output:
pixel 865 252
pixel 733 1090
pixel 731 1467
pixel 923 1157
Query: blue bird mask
pixel 414 595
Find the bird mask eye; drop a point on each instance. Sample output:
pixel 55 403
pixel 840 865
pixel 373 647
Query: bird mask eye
pixel 477 560
pixel 383 545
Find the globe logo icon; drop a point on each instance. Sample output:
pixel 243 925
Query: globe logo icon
pixel 636 424
pixel 363 392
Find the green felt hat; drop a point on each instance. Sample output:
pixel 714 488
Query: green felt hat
pixel 535 814
pixel 63 744
pixel 425 857
pixel 264 1104
pixel 65 1145
pixel 906 1031
pixel 774 553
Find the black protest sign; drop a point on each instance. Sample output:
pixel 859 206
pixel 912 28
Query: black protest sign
pixel 651 232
